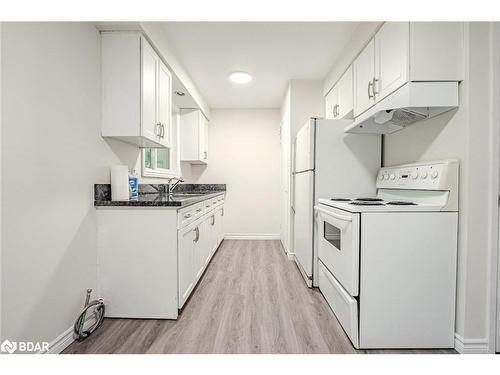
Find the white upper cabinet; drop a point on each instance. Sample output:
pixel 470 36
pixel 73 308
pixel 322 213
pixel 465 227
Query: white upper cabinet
pixel 165 104
pixel 391 58
pixel 406 51
pixel 339 101
pixel 345 98
pixel 364 74
pixel 436 51
pixel 194 136
pixel 331 102
pixel 136 91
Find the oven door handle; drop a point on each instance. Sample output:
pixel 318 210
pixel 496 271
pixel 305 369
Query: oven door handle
pixel 332 214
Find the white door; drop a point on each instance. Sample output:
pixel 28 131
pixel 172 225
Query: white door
pixel 304 148
pixel 303 226
pixel 150 127
pixel 331 101
pixel 220 225
pixel 212 237
pixel 164 104
pixel 200 249
pixel 187 238
pixel 391 58
pixel 345 97
pixel 364 74
pixel 203 138
pixel 338 245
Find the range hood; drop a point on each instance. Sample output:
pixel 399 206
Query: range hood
pixel 412 102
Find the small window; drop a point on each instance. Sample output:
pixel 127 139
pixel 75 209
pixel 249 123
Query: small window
pixel 163 162
pixel 333 235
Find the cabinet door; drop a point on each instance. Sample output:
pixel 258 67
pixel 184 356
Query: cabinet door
pixel 364 73
pixel 220 225
pixel 345 98
pixel 391 57
pixel 149 71
pixel 331 101
pixel 203 141
pixel 164 103
pixel 187 239
pixel 199 251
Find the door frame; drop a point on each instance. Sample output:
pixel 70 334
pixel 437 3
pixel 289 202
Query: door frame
pixel 494 295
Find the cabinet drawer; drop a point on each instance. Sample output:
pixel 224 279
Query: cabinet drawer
pixel 343 305
pixel 188 215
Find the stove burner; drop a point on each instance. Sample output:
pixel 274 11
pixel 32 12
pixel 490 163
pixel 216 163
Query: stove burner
pixel 366 203
pixel 340 199
pixel 369 199
pixel 401 203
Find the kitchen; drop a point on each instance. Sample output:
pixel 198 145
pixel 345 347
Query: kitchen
pixel 242 181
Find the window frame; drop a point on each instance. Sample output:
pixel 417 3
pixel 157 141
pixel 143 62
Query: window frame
pixel 174 171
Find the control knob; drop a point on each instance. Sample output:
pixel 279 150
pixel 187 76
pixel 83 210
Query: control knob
pixel 434 174
pixel 423 174
pixel 414 175
pixel 393 176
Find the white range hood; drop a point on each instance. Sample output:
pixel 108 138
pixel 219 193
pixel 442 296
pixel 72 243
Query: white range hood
pixel 412 102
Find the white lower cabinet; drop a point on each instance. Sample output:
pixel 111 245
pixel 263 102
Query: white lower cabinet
pixel 151 258
pixel 198 242
pixel 187 238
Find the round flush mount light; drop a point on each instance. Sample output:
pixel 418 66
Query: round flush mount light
pixel 179 93
pixel 240 77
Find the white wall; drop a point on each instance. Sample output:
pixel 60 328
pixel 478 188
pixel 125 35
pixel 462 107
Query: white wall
pixel 306 101
pixel 51 154
pixel 244 153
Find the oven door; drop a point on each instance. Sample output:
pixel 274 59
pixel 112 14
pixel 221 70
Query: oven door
pixel 338 245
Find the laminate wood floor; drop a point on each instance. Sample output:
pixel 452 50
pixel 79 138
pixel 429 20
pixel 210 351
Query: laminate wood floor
pixel 252 299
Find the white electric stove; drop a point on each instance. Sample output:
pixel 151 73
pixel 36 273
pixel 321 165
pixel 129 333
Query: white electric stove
pixel 387 264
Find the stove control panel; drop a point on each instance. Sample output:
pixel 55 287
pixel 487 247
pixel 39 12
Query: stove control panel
pixel 430 176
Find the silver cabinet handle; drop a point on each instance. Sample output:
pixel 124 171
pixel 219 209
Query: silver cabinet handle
pixel 158 129
pixel 375 92
pixel 199 210
pixel 213 220
pixel 204 155
pixel 333 110
pixel 337 110
pixel 370 85
pixel 187 216
pixel 197 231
pixel 222 214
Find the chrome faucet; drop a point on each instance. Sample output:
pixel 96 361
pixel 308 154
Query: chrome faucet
pixel 171 187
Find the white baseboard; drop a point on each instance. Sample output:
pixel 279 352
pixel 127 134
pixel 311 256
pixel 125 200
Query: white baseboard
pixel 251 236
pixel 65 339
pixel 471 346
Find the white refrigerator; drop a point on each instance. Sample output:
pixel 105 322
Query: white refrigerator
pixel 328 163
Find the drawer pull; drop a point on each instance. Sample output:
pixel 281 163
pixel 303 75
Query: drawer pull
pixel 187 216
pixel 197 231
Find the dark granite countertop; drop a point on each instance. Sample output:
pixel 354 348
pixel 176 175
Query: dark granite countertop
pixel 150 197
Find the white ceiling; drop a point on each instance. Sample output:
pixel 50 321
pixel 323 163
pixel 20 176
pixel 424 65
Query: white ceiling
pixel 272 52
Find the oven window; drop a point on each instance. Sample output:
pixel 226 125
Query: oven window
pixel 332 235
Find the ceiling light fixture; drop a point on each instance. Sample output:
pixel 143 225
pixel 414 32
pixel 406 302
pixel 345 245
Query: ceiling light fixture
pixel 240 77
